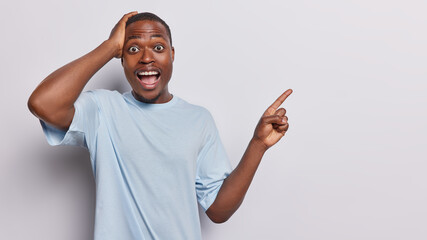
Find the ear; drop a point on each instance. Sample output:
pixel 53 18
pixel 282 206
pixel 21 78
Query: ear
pixel 173 54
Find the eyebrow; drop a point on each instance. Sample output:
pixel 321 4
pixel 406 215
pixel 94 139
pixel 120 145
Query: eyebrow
pixel 133 37
pixel 139 37
pixel 157 36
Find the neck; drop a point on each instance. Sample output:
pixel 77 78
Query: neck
pixel 161 98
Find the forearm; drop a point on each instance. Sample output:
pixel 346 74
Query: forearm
pixel 56 94
pixel 270 129
pixel 236 185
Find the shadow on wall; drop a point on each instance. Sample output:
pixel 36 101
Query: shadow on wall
pixel 56 183
pixel 205 222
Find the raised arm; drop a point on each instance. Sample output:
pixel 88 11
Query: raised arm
pixel 53 99
pixel 270 129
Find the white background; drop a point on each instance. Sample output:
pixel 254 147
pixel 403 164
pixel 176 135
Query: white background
pixel 352 165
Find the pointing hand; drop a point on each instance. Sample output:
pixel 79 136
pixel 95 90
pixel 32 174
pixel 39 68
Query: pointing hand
pixel 273 124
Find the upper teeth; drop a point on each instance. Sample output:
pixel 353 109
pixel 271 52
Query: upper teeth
pixel 148 73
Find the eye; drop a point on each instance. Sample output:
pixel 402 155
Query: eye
pixel 159 48
pixel 133 49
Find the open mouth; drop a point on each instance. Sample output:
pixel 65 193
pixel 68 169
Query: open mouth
pixel 148 79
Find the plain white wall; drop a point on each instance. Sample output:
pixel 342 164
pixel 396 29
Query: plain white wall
pixel 352 165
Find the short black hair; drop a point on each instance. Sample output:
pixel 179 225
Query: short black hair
pixel 151 17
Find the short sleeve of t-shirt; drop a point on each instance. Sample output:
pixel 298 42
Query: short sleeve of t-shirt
pixel 83 127
pixel 213 166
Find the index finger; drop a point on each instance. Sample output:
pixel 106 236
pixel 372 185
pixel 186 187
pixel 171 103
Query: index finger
pixel 272 109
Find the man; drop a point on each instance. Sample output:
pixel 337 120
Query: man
pixel 153 154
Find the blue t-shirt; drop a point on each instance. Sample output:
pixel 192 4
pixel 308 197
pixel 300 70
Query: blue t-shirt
pixel 151 163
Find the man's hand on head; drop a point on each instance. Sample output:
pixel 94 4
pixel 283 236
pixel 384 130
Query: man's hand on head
pixel 273 124
pixel 117 35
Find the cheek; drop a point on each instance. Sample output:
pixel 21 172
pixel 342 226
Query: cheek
pixel 131 59
pixel 128 70
pixel 166 61
pixel 128 63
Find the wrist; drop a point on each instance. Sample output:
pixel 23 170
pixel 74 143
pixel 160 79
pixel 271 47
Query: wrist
pixel 113 47
pixel 258 145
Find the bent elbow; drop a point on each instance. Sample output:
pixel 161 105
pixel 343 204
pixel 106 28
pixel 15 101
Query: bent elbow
pixel 38 108
pixel 219 220
pixel 217 217
pixel 33 105
pixel 57 118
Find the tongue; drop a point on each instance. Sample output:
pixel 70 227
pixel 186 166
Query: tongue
pixel 149 79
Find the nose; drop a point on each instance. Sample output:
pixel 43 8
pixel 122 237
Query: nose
pixel 147 57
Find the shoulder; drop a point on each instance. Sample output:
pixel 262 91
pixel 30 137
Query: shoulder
pixel 104 100
pixel 194 109
pixel 102 95
pixel 200 117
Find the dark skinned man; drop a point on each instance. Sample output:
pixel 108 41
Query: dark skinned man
pixel 154 156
